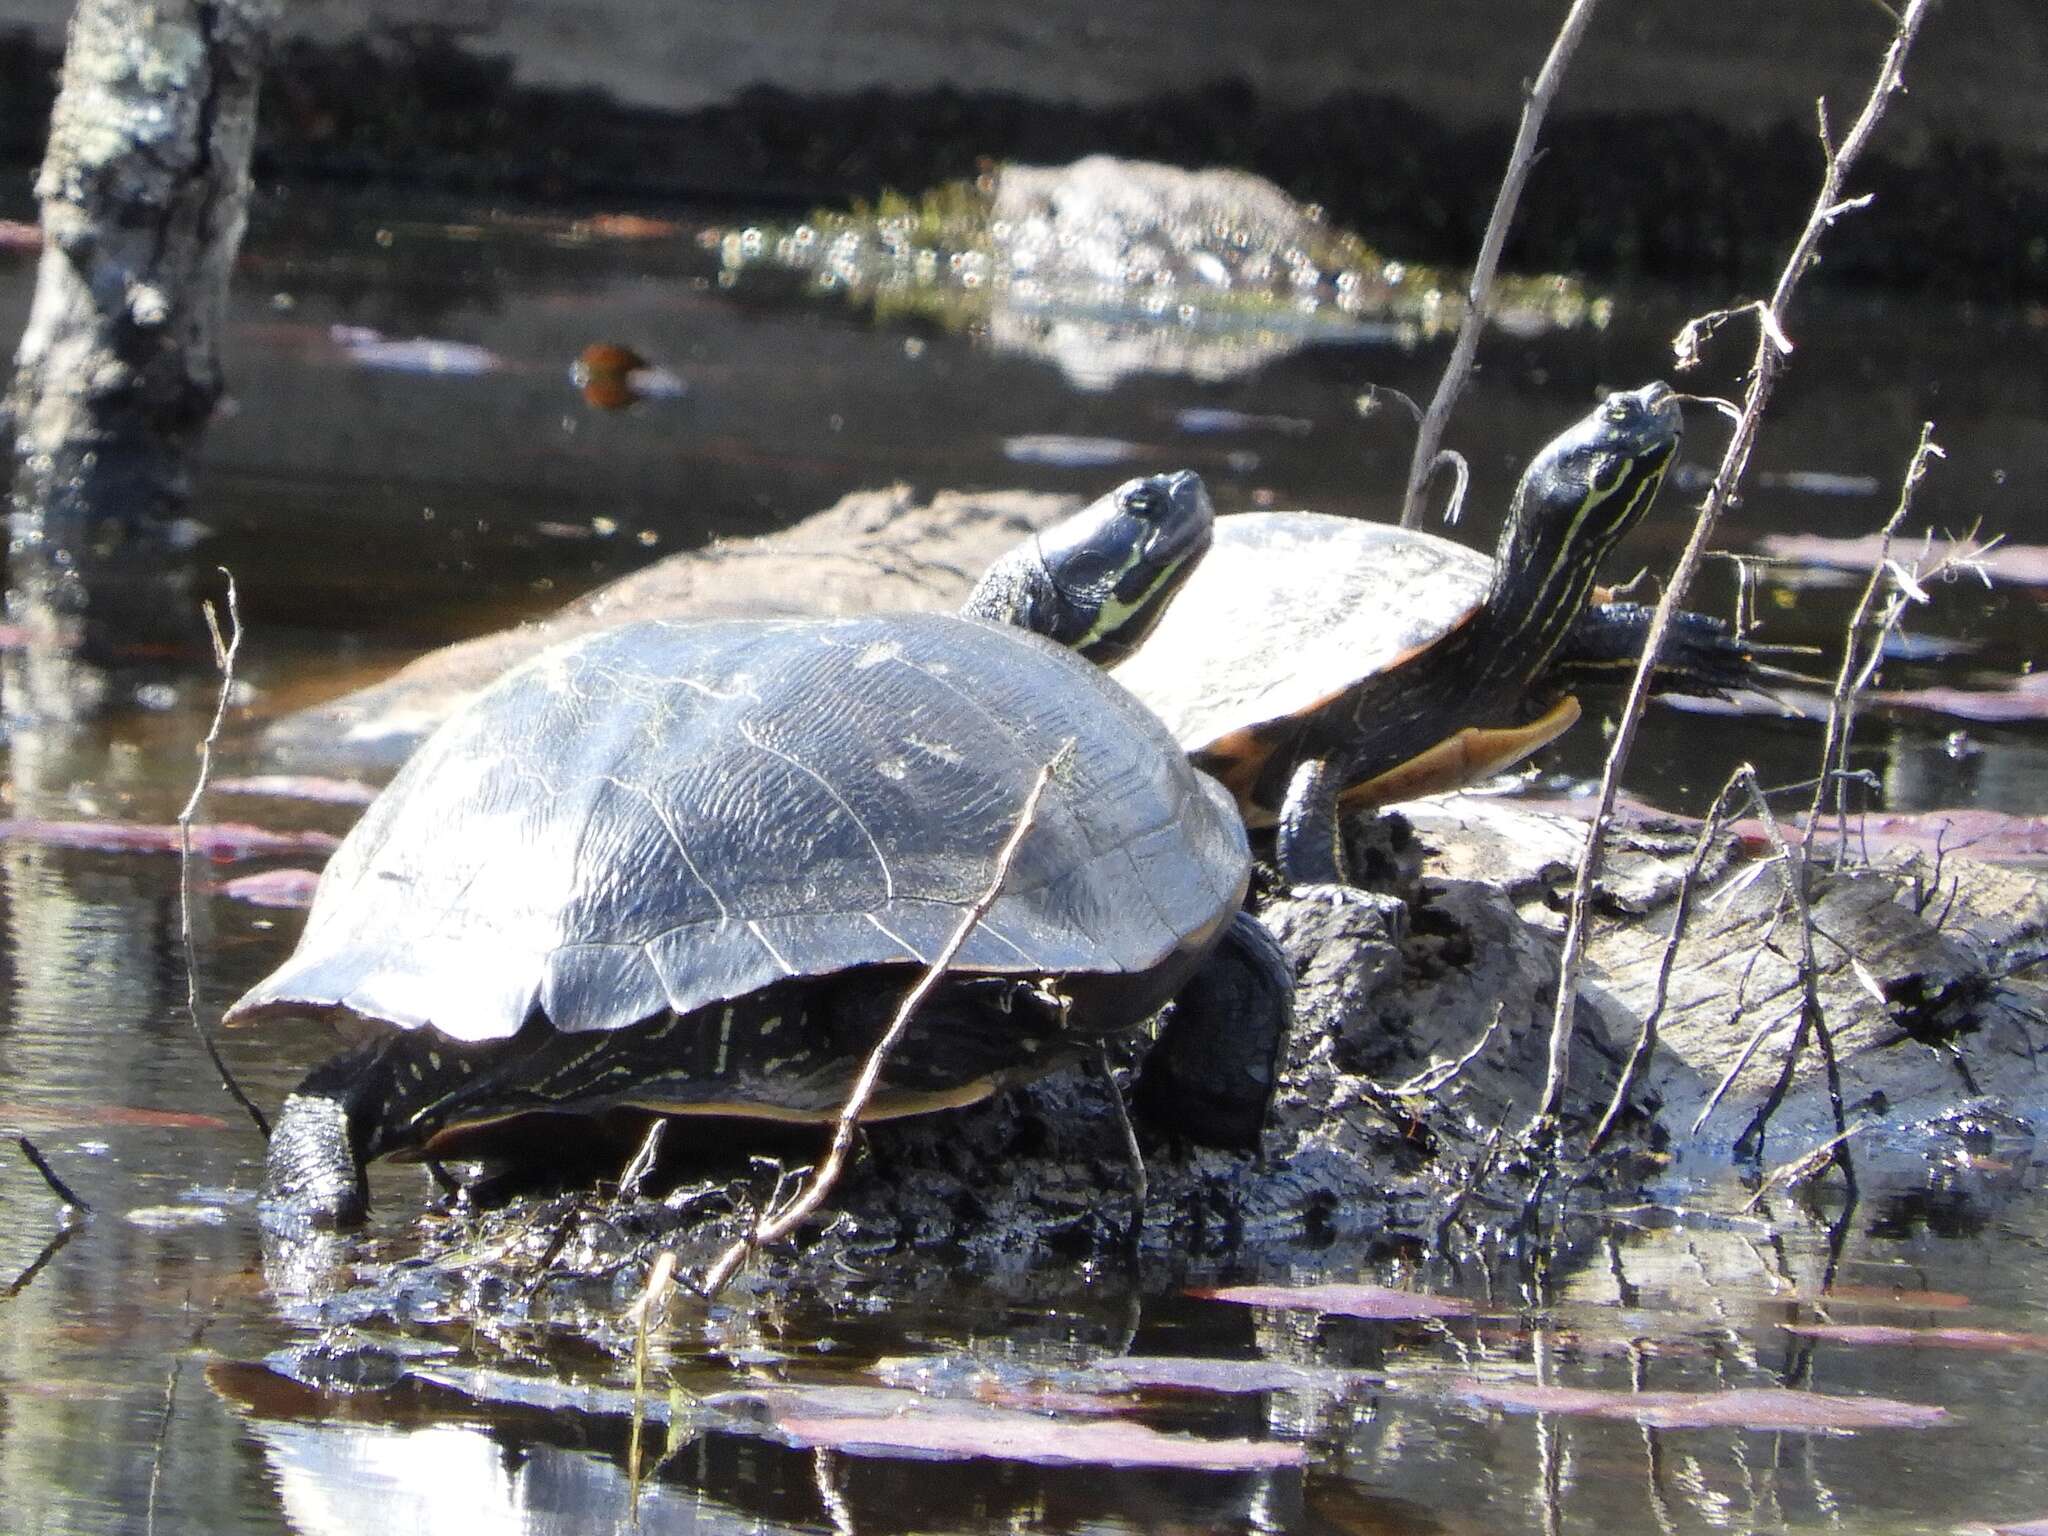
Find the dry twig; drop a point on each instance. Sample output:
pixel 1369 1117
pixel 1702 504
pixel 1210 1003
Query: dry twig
pixel 1812 1017
pixel 1861 655
pixel 1479 296
pixel 1772 348
pixel 41 1164
pixel 1646 1037
pixel 225 649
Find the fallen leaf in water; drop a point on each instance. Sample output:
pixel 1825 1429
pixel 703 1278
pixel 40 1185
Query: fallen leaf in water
pixel 627 226
pixel 1004 1435
pixel 1067 450
pixel 2022 698
pixel 168 1218
pixel 1376 1301
pixel 1083 1388
pixel 1773 1408
pixel 1186 1373
pixel 883 1421
pixel 1003 1383
pixel 273 888
pixel 221 841
pixel 58 1117
pixel 297 786
pixel 1921 1338
pixel 422 354
pixel 1893 1296
pixel 2025 564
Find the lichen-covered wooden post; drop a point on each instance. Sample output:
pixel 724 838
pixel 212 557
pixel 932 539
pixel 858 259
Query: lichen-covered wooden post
pixel 144 193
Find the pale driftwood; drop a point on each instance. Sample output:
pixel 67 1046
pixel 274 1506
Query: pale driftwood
pixel 1772 350
pixel 872 550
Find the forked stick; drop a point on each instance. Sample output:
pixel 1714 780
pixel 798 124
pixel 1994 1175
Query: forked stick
pixel 777 1223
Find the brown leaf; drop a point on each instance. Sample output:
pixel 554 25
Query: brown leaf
pixel 1921 1338
pixel 1773 1408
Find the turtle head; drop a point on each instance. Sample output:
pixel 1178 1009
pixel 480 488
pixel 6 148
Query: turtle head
pixel 1586 489
pixel 1099 580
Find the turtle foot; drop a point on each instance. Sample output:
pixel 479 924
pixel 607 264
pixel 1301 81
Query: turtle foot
pixel 1392 911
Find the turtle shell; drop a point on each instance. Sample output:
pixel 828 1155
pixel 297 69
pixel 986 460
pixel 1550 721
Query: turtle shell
pixel 670 815
pixel 1290 610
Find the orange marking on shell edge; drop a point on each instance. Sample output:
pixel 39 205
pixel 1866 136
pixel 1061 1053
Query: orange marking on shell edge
pixel 885 1105
pixel 1475 753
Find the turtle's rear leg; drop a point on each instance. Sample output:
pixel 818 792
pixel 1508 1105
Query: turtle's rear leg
pixel 1210 1076
pixel 313 1172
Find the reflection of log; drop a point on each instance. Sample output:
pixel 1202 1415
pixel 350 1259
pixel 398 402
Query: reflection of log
pixel 143 191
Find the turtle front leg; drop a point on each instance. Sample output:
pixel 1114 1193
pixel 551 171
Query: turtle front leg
pixel 1309 848
pixel 1307 844
pixel 1211 1074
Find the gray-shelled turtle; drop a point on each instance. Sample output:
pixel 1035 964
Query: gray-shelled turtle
pixel 692 868
pixel 1315 658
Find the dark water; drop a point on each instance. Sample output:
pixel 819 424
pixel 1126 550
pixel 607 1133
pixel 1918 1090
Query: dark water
pixel 369 512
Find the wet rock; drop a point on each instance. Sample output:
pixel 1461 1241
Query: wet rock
pixel 1108 266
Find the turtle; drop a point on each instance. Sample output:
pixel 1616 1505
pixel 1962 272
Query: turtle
pixel 1315 659
pixel 691 868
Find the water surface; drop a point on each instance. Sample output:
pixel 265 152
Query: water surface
pixel 369 512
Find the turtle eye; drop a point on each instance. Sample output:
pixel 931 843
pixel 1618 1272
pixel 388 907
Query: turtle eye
pixel 1144 501
pixel 1619 411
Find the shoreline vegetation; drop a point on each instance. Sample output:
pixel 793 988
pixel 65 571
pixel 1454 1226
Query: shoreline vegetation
pixel 1659 193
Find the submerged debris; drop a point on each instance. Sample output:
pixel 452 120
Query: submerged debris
pixel 1743 1408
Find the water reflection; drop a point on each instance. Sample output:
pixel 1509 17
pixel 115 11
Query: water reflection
pixel 369 512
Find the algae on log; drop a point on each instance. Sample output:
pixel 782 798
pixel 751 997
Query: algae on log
pixel 144 192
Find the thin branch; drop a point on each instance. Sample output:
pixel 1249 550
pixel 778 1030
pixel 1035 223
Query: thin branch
pixel 225 649
pixel 1134 1155
pixel 781 1218
pixel 1646 1037
pixel 1857 669
pixel 1812 1017
pixel 51 1249
pixel 1479 297
pixel 1769 360
pixel 41 1164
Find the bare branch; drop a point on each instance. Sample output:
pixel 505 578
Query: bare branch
pixel 1646 1037
pixel 41 1165
pixel 1765 367
pixel 1479 297
pixel 225 649
pixel 1858 665
pixel 782 1218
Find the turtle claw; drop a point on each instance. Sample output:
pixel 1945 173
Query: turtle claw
pixel 1392 911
